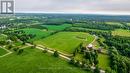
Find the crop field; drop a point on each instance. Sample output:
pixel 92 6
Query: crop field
pixel 114 23
pixel 39 33
pixel 104 61
pixel 66 42
pixel 121 32
pixel 34 61
pixel 2 51
pixel 56 27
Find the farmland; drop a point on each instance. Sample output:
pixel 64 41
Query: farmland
pixel 53 43
pixel 114 23
pixel 121 32
pixel 66 41
pixel 56 27
pixel 34 61
pixel 39 33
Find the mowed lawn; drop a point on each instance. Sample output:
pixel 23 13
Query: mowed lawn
pixel 39 33
pixel 121 32
pixel 104 61
pixel 57 27
pixel 35 61
pixel 66 42
pixel 2 51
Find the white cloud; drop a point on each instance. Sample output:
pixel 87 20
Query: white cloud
pixel 79 6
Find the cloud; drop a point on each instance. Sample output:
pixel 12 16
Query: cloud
pixel 79 6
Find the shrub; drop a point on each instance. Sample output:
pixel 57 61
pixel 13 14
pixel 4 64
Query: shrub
pixel 56 54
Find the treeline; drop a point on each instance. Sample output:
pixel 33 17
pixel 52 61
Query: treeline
pixel 122 44
pixel 96 25
pixel 21 35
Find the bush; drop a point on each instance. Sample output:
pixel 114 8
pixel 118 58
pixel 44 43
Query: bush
pixel 20 51
pixel 45 51
pixel 56 54
pixel 72 61
pixel 16 49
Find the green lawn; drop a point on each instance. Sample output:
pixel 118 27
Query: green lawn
pixel 103 61
pixel 34 61
pixel 57 27
pixel 66 41
pixel 2 51
pixel 121 32
pixel 39 33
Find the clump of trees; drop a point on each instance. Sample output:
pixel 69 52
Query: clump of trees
pixel 83 65
pixel 122 44
pixel 119 64
pixel 92 56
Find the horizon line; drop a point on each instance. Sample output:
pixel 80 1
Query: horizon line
pixel 94 13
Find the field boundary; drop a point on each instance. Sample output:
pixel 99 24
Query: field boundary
pixel 9 52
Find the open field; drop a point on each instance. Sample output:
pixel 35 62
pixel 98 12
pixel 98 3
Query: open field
pixel 39 33
pixel 114 23
pixel 104 61
pixel 66 42
pixel 2 51
pixel 57 27
pixel 121 32
pixel 34 61
pixel 128 24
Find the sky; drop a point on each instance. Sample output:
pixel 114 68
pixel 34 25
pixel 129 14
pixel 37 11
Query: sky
pixel 74 6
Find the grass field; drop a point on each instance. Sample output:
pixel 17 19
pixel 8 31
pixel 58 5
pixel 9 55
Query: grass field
pixel 66 41
pixel 34 61
pixel 121 32
pixel 57 27
pixel 114 23
pixel 128 24
pixel 2 51
pixel 39 33
pixel 103 61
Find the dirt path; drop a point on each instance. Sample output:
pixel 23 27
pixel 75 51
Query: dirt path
pixel 9 52
pixel 48 50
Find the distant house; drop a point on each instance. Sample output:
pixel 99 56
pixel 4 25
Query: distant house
pixel 90 46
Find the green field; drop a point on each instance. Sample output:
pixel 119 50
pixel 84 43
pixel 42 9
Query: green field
pixel 39 33
pixel 114 23
pixel 103 61
pixel 34 61
pixel 66 42
pixel 121 32
pixel 128 24
pixel 57 27
pixel 2 51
